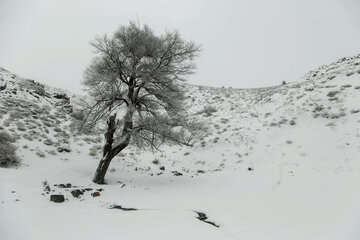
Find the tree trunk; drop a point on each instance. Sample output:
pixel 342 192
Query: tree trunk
pixel 102 169
pixel 107 156
pixel 110 151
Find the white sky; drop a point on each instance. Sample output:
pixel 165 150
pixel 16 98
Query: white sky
pixel 246 43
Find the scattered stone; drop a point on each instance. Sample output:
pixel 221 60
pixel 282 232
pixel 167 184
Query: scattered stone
pixel 48 142
pixel 76 193
pixel 176 173
pixel 58 198
pixel 95 194
pixel 61 96
pixel 62 185
pixel 122 208
pixel 63 149
pixel 2 86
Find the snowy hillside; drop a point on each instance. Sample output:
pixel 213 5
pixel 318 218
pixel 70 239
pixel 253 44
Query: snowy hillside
pixel 281 162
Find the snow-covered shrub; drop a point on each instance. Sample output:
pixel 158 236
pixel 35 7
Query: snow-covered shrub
pixel 208 110
pixel 21 126
pixel 78 114
pixel 40 153
pixel 332 93
pixel 8 155
pixel 94 150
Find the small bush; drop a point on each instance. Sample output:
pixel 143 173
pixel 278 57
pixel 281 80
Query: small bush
pixel 78 115
pixel 208 110
pixel 8 155
pixel 94 150
pixel 332 93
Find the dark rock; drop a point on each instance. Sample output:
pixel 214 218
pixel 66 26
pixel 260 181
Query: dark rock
pixel 76 193
pixel 63 149
pixel 62 96
pixel 250 169
pixel 48 142
pixel 62 185
pixel 58 198
pixel 122 208
pixel 88 189
pixel 95 194
pixel 2 86
pixel 162 168
pixel 176 173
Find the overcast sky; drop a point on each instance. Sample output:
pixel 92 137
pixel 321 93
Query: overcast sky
pixel 246 43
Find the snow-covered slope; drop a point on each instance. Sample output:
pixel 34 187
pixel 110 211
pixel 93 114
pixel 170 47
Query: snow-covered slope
pixel 278 163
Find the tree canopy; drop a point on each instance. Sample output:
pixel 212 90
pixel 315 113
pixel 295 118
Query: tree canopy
pixel 136 82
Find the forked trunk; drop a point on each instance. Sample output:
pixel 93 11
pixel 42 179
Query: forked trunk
pixel 107 156
pixel 110 151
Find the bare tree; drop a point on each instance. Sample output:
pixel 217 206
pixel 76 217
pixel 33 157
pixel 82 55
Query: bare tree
pixel 135 80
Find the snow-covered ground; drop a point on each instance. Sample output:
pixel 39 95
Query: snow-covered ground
pixel 279 163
